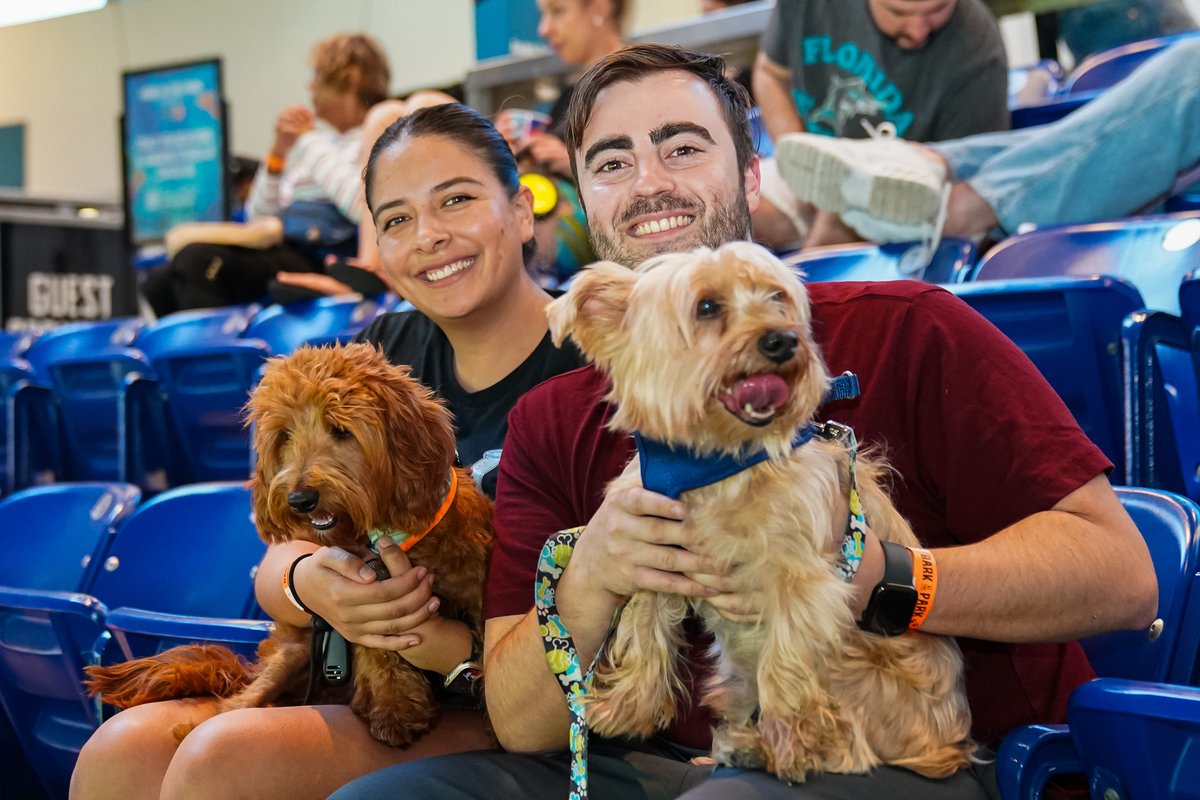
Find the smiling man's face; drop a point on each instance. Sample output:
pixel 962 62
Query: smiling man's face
pixel 658 171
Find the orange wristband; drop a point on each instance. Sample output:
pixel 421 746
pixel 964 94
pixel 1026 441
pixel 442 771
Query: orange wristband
pixel 925 579
pixel 274 164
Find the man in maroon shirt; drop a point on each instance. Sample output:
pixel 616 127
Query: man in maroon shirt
pixel 1032 545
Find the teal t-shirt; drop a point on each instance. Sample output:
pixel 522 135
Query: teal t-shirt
pixel 845 70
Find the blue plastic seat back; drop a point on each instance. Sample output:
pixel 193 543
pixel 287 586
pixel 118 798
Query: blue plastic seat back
pixel 286 327
pixel 189 328
pixel 14 345
pixel 1137 740
pixel 886 262
pixel 205 389
pixel 1070 328
pixel 1170 526
pixel 1162 398
pixel 191 550
pixel 1152 253
pixel 80 338
pixel 1189 303
pixel 1102 70
pixel 87 388
pixel 52 535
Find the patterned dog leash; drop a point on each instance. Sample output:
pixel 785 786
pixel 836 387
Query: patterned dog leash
pixel 561 655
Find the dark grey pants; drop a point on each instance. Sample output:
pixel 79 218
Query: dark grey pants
pixel 655 772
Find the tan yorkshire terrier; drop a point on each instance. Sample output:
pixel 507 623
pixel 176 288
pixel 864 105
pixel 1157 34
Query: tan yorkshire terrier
pixel 711 352
pixel 350 447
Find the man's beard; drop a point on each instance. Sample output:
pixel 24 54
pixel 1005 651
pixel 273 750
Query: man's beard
pixel 711 228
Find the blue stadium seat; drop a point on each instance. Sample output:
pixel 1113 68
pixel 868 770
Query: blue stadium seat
pixel 34 444
pixel 14 345
pixel 99 438
pixel 1189 302
pixel 1071 329
pixel 1152 253
pixel 1166 652
pixel 1162 403
pixel 1136 739
pixel 1102 70
pixel 885 262
pixel 52 536
pixel 286 327
pixel 188 551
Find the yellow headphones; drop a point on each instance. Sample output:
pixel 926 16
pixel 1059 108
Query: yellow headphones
pixel 545 193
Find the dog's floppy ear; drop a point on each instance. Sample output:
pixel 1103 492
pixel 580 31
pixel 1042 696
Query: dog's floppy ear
pixel 593 308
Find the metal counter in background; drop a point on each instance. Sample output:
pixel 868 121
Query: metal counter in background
pixel 512 81
pixel 62 261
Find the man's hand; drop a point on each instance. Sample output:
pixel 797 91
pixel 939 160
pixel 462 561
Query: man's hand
pixel 290 125
pixel 636 541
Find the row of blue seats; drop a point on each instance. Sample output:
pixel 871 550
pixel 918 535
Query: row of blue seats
pixel 101 579
pixel 1061 94
pixel 160 405
pixel 90 576
pixel 157 405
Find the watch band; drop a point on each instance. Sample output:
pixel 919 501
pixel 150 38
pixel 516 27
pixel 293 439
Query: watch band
pixel 890 609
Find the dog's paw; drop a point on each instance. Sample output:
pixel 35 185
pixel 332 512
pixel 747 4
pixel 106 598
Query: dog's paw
pixel 739 746
pixel 625 710
pixel 397 732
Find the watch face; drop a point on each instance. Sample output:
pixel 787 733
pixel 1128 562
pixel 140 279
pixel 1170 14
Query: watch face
pixel 891 609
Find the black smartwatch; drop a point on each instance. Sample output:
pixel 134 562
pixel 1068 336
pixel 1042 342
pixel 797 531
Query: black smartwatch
pixel 890 609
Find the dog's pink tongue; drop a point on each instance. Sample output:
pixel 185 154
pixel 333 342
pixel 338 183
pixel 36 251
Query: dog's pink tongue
pixel 762 393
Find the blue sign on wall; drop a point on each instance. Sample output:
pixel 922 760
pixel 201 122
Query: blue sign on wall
pixel 174 148
pixel 499 22
pixel 12 156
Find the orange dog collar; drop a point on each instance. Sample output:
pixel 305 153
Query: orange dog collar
pixel 407 540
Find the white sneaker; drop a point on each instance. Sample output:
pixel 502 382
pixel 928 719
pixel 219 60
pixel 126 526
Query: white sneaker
pixel 883 177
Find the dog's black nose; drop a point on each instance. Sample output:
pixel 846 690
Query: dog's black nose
pixel 778 346
pixel 303 500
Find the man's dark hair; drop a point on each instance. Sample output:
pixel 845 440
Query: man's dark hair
pixel 637 61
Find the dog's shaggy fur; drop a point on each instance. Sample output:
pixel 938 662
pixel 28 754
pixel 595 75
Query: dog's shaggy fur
pixel 346 443
pixel 803 690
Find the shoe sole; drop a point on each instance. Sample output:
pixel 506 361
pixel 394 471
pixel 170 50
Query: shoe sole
pixel 817 169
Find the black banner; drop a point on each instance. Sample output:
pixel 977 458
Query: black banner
pixel 54 274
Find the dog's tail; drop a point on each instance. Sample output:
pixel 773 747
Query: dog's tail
pixel 188 671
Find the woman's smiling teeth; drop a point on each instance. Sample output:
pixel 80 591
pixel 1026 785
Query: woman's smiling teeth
pixel 660 225
pixel 441 273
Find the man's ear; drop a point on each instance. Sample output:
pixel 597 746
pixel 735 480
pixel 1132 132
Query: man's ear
pixel 593 309
pixel 753 184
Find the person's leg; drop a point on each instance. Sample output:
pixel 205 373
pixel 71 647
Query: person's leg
pixel 158 287
pixel 1108 159
pixel 210 276
pixel 975 783
pixel 614 774
pixel 298 753
pixel 129 754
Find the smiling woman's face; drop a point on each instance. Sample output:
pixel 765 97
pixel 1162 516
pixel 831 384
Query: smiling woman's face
pixel 449 234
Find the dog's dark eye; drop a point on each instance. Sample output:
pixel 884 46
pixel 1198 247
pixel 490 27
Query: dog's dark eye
pixel 778 297
pixel 339 433
pixel 708 308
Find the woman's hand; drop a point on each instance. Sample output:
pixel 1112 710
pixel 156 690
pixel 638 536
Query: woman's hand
pixel 340 588
pixel 545 153
pixel 290 125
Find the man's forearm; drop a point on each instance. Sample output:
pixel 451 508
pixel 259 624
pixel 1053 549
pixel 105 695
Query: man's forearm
pixel 772 92
pixel 1077 570
pixel 525 701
